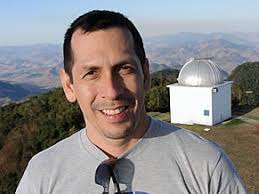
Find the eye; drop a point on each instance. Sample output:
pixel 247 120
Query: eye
pixel 126 69
pixel 90 75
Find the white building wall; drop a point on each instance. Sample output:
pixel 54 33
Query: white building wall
pixel 200 105
pixel 221 102
pixel 188 104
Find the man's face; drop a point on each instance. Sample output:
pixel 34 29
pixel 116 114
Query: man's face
pixel 109 82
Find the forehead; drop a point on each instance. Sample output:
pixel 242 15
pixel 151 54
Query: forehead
pixel 104 42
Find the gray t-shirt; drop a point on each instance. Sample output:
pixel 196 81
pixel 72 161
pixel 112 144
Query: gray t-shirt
pixel 166 160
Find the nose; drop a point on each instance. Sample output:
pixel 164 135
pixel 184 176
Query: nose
pixel 112 87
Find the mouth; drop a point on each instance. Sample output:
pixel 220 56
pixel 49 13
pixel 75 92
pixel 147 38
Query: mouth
pixel 113 112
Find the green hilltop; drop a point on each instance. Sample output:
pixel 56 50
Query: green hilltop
pixel 31 126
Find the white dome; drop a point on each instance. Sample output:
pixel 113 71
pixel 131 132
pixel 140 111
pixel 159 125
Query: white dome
pixel 200 72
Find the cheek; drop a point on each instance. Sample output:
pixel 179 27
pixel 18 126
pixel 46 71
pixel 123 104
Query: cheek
pixel 136 89
pixel 135 84
pixel 140 87
pixel 85 96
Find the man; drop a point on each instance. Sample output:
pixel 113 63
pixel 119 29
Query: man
pixel 107 73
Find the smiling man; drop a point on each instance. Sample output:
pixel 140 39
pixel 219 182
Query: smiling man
pixel 106 72
pixel 109 83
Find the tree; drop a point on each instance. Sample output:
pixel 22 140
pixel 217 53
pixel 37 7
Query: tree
pixel 245 88
pixel 157 99
pixel 31 126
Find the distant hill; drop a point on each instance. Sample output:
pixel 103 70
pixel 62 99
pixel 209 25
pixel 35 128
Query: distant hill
pixel 227 50
pixel 39 64
pixel 35 64
pixel 11 92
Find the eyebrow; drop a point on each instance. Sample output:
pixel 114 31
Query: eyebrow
pixel 87 67
pixel 90 67
pixel 126 60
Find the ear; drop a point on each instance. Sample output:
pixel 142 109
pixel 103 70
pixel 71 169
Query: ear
pixel 67 86
pixel 146 75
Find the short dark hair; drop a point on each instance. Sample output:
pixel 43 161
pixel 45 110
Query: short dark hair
pixel 97 20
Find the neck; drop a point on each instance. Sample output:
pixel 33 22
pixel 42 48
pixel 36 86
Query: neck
pixel 115 147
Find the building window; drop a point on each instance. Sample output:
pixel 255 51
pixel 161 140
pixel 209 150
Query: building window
pixel 206 113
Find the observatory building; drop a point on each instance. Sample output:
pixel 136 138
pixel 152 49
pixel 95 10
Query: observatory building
pixel 201 96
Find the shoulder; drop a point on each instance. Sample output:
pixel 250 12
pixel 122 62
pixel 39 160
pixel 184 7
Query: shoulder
pixel 57 152
pixel 184 143
pixel 178 135
pixel 202 163
pixel 193 153
pixel 46 163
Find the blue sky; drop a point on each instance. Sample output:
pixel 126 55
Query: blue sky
pixel 45 21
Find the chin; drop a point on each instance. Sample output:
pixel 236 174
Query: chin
pixel 119 133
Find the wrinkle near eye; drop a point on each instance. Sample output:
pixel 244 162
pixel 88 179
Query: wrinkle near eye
pixel 89 72
pixel 126 69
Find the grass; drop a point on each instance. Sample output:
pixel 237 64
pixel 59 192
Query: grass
pixel 233 123
pixel 160 116
pixel 239 139
pixel 241 143
pixel 254 114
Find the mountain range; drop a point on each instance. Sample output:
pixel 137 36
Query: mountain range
pixel 37 66
pixel 11 92
pixel 33 64
pixel 227 50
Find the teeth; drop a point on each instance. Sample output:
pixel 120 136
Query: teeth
pixel 111 112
